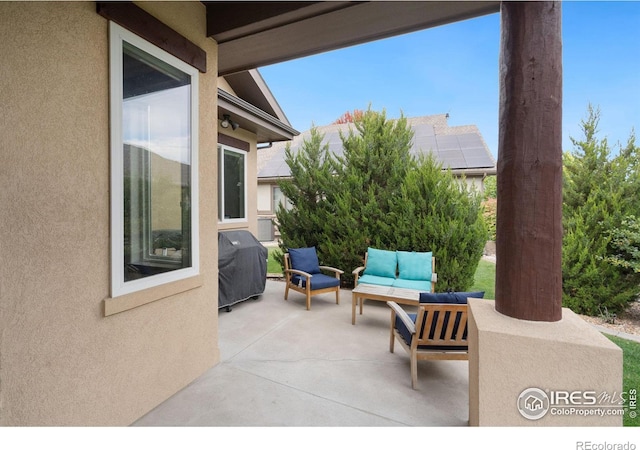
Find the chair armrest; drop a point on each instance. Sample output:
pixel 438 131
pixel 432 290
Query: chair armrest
pixel 332 269
pixel 434 277
pixel 299 272
pixel 402 315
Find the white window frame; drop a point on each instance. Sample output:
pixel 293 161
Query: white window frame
pixel 118 35
pixel 221 149
pixel 285 201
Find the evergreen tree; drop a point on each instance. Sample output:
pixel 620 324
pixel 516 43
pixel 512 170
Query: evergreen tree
pixel 378 195
pixel 439 213
pixel 490 205
pixel 369 178
pixel 599 191
pixel 309 192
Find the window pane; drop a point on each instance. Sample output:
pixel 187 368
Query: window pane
pixel 280 200
pixel 233 185
pixel 157 165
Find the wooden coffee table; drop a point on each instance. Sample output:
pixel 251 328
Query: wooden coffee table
pixel 383 294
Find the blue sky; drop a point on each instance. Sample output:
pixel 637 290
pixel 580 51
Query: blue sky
pixel 454 69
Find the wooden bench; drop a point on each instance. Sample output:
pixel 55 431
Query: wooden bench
pixel 437 332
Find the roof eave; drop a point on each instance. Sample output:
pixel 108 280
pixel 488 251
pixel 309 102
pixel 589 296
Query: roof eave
pixel 266 127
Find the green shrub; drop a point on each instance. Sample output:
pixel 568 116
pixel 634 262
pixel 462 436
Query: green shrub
pixel 600 190
pixel 490 187
pixel 624 245
pixel 489 212
pixel 490 205
pixel 438 213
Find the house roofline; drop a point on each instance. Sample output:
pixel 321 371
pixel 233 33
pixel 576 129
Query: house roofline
pixel 479 171
pixel 250 117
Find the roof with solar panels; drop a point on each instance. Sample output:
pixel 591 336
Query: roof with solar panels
pixel 459 148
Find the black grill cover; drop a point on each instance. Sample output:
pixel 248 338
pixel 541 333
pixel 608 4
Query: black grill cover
pixel 242 267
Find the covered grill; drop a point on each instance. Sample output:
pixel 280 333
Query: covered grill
pixel 242 267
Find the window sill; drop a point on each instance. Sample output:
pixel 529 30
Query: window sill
pixel 233 225
pixel 126 302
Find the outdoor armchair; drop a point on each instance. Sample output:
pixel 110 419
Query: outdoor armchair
pixel 437 332
pixel 303 274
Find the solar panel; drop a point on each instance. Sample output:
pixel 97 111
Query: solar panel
pixel 460 148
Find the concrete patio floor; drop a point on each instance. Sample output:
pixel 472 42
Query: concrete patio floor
pixel 282 365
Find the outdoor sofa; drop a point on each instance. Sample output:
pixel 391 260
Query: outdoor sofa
pixel 401 269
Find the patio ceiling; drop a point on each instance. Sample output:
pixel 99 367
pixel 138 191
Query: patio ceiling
pixel 255 34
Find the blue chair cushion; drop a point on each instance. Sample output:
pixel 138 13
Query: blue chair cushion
pixel 459 298
pixel 415 265
pixel 305 259
pixel 318 281
pixel 381 263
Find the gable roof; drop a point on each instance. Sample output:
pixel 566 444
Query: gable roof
pixel 250 86
pixel 461 148
pixel 254 108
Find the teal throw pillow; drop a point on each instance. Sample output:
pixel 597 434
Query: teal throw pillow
pixel 415 265
pixel 381 263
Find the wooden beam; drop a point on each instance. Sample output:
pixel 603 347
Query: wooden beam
pixel 233 142
pixel 140 22
pixel 529 212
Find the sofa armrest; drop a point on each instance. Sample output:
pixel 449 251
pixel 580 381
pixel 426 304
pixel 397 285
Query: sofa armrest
pixel 402 315
pixel 356 273
pixel 434 277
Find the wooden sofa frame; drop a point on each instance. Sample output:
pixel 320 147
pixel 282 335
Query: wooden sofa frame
pixel 442 346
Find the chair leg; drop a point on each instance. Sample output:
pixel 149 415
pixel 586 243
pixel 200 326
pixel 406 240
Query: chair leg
pixel 308 296
pixel 392 337
pixel 338 295
pixel 414 371
pixel 286 291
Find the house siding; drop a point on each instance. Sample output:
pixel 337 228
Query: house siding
pixel 62 362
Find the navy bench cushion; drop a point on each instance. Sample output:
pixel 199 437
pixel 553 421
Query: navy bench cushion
pixel 459 298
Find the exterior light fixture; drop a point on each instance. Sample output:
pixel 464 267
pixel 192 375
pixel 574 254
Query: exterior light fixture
pixel 226 121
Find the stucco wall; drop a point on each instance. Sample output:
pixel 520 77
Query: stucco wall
pixel 62 362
